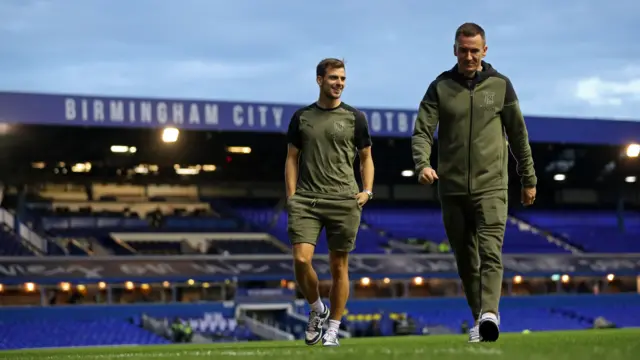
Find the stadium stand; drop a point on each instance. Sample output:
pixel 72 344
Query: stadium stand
pixel 83 227
pixel 588 228
pixel 43 333
pixel 101 259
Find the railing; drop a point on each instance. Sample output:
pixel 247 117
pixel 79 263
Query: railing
pixel 52 269
pixel 23 231
pixel 265 331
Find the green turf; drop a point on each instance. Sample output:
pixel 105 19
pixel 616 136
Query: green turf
pixel 583 345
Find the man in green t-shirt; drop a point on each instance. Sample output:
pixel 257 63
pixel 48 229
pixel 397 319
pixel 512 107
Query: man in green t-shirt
pixel 324 139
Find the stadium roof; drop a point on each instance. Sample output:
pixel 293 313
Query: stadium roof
pixel 213 115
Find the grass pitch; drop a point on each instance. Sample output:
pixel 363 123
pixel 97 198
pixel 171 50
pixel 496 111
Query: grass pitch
pixel 574 345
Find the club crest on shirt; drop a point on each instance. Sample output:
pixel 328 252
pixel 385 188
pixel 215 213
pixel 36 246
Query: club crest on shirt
pixel 337 130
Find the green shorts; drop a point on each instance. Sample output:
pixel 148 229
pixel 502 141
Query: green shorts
pixel 340 218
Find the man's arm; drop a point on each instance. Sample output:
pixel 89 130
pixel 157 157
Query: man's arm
pixel 518 137
pixel 425 128
pixel 363 143
pixel 293 154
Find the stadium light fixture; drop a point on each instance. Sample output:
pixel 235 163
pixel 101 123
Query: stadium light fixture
pixel 239 150
pixel 517 279
pixel 610 277
pixel 630 179
pixel 418 280
pixel 128 285
pixel 170 135
pixel 141 169
pixel 119 149
pixel 188 171
pixel 1 288
pixel 633 150
pixel 565 278
pixel 30 287
pixel 407 173
pixel 365 281
pixel 559 177
pixel 81 167
pixel 386 280
pixel 65 286
pixel 102 285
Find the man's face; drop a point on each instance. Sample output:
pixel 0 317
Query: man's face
pixel 332 84
pixel 470 51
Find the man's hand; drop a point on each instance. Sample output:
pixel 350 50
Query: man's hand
pixel 427 176
pixel 362 198
pixel 289 197
pixel 528 196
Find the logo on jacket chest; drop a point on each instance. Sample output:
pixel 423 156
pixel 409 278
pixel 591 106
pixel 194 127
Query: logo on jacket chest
pixel 488 99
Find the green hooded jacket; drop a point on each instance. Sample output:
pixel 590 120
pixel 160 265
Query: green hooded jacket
pixel 474 117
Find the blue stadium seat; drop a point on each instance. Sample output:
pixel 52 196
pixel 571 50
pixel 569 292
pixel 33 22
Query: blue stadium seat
pixel 427 224
pixel 595 231
pixel 38 334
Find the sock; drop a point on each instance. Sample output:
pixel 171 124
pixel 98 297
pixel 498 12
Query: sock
pixel 318 306
pixel 334 325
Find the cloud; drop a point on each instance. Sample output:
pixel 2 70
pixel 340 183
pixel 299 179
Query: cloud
pixel 258 51
pixel 597 91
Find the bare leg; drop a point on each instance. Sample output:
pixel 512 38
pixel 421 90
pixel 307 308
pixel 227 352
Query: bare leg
pixel 340 287
pixel 306 276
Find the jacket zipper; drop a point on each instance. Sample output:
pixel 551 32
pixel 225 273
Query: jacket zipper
pixel 471 90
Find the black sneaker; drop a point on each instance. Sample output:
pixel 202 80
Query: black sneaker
pixel 315 326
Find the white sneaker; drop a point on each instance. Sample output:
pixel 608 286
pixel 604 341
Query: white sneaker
pixel 474 334
pixel 313 334
pixel 489 327
pixel 330 338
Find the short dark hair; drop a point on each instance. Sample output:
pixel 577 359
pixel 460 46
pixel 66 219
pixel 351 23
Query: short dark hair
pixel 329 63
pixel 470 30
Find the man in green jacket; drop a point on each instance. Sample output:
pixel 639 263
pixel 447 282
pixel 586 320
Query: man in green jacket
pixel 475 107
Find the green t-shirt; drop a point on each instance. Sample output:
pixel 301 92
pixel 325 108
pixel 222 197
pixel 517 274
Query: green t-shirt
pixel 328 140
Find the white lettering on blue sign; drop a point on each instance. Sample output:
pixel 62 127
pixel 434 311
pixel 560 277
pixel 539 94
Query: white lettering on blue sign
pixel 161 112
pixel 221 115
pixel 171 113
pixel 390 121
pixel 247 115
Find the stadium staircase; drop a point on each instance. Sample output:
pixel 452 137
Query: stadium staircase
pixel 592 231
pixel 411 222
pixel 18 239
pixel 524 226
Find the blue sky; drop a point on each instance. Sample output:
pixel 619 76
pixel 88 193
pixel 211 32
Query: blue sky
pixel 575 58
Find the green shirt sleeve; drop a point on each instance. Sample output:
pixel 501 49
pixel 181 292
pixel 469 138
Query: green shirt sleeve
pixel 425 128
pixel 518 137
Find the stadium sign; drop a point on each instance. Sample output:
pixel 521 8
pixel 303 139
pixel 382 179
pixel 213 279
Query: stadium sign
pixel 276 267
pixel 75 110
